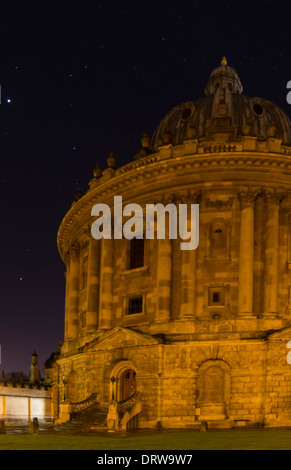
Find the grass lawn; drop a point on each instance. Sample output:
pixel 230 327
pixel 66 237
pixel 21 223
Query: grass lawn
pixel 211 440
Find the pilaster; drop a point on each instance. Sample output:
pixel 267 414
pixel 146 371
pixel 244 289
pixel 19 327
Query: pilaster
pixel 73 296
pixel 271 265
pixel 246 252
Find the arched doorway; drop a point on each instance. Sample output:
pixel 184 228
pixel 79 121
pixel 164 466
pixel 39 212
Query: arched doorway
pixel 213 387
pixel 127 389
pixel 123 380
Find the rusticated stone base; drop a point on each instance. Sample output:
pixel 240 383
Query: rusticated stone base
pixel 219 378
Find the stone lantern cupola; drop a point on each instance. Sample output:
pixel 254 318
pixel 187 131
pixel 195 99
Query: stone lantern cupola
pixel 223 77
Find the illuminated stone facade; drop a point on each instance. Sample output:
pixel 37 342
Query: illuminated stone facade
pixel 170 338
pixel 21 401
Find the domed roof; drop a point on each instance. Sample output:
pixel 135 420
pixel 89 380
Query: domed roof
pixel 225 107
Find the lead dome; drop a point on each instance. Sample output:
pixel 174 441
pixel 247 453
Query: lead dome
pixel 223 98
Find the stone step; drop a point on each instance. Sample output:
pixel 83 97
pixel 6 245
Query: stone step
pixel 93 418
pixel 94 409
pixel 88 423
pixel 88 417
pixel 91 413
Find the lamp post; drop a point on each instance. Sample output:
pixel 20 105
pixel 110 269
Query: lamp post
pixel 113 380
pixel 65 388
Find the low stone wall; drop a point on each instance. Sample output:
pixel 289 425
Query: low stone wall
pixel 22 402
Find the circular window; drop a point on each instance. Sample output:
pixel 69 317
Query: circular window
pixel 216 316
pixel 186 113
pixel 258 109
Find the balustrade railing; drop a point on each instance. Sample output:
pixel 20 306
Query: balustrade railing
pixel 127 404
pixel 82 405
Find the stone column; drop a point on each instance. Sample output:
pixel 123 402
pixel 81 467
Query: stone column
pixel 106 284
pixel 67 276
pixel 188 267
pixel 271 267
pixel 73 297
pixel 246 253
pixel 93 285
pixel 188 281
pixel 164 277
pixel 259 256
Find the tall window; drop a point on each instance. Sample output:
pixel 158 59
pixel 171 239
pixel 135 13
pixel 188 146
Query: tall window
pixel 218 240
pixel 136 253
pixel 84 273
pixel 135 305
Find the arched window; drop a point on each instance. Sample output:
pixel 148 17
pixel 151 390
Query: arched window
pixel 218 240
pixel 136 253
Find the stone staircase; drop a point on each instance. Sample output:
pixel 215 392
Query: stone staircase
pixel 90 415
pixel 93 418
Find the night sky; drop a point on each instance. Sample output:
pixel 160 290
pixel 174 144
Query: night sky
pixel 81 81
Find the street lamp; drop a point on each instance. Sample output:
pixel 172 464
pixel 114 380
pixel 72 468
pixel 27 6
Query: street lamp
pixel 113 380
pixel 65 386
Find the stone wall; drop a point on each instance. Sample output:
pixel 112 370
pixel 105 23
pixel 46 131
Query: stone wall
pixel 21 403
pixel 183 383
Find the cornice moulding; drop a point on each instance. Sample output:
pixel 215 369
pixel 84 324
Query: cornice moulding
pixel 153 167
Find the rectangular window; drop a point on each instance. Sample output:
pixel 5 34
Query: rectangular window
pixel 136 253
pixel 216 297
pixel 135 305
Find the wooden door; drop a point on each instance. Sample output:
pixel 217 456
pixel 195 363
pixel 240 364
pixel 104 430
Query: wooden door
pixel 128 384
